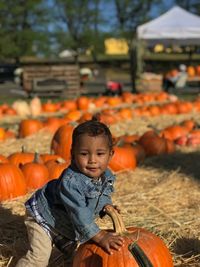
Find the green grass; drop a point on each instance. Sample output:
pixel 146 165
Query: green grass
pixel 187 97
pixel 10 100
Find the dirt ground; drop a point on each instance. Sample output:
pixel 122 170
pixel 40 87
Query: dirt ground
pixel 162 195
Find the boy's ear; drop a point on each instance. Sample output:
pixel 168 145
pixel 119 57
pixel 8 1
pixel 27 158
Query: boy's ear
pixel 111 153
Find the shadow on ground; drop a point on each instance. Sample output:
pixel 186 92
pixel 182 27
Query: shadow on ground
pixel 13 235
pixel 186 163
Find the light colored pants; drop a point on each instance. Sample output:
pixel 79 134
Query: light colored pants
pixel 40 246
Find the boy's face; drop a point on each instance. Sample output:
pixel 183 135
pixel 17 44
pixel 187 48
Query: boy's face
pixel 92 154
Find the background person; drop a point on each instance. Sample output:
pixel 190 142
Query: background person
pixel 113 88
pixel 176 81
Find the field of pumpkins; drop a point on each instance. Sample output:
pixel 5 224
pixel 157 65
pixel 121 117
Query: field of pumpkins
pixel 156 161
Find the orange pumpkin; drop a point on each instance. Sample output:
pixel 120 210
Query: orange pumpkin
pixel 73 115
pixel 20 158
pixel 83 102
pixel 46 157
pixel 12 182
pixel 56 167
pixel 141 248
pixel 85 117
pixel 130 138
pixel 62 140
pixel 191 71
pixel 3 159
pixel 29 126
pixel 189 124
pixel 152 143
pixel 123 159
pixel 69 105
pixel 49 106
pixel 173 132
pixel 198 70
pixel 2 134
pixel 52 124
pixel 36 174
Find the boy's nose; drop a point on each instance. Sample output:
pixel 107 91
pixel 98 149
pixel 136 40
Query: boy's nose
pixel 92 158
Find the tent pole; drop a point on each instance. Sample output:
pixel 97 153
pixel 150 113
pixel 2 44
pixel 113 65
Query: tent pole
pixel 133 64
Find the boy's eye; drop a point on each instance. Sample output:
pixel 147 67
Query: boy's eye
pixel 101 153
pixel 83 153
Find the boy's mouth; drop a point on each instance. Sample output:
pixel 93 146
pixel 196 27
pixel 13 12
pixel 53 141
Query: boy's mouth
pixel 92 169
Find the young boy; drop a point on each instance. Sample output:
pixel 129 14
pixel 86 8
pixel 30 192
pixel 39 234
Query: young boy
pixel 68 206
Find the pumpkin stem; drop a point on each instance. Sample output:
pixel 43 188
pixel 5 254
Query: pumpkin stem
pixel 118 223
pixel 23 149
pixel 36 158
pixel 60 160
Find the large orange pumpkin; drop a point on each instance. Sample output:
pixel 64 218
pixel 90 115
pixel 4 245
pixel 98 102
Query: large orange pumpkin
pixel 61 142
pixel 12 182
pixel 141 249
pixel 20 158
pixel 124 158
pixel 152 143
pixel 36 174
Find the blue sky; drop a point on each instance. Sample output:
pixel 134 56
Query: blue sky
pixel 156 11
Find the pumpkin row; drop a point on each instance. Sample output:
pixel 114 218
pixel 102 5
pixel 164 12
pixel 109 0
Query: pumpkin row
pixel 35 107
pixel 109 116
pixel 24 171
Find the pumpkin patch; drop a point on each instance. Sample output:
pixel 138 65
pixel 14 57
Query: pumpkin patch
pixel 156 165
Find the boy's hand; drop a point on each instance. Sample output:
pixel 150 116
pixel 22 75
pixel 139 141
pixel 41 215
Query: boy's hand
pixel 108 240
pixel 103 212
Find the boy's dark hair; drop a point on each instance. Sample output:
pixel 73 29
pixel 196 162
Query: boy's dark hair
pixel 92 127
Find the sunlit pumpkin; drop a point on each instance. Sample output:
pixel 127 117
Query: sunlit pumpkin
pixel 123 159
pixel 22 157
pixel 36 174
pixel 141 249
pixel 61 141
pixel 29 126
pixel 12 182
pixel 56 167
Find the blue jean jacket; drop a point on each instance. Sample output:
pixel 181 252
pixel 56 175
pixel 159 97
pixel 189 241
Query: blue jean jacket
pixel 71 203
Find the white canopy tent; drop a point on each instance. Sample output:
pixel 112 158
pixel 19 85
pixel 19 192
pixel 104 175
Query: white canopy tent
pixel 176 26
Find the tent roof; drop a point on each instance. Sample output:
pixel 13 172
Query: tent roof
pixel 175 26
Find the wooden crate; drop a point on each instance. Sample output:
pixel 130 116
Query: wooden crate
pixel 65 80
pixel 150 82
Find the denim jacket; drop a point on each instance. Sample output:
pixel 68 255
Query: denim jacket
pixel 71 203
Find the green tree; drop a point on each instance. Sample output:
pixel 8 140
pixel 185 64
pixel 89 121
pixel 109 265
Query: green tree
pixel 190 5
pixel 24 28
pixel 78 24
